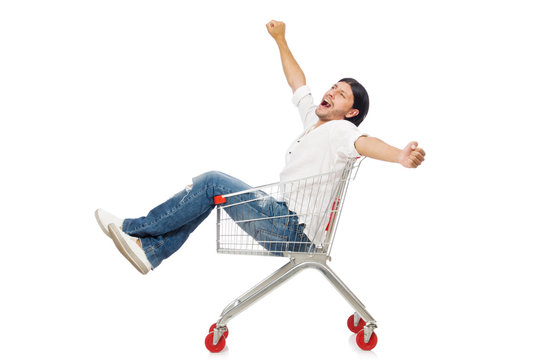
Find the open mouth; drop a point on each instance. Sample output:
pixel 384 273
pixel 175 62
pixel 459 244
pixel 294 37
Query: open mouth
pixel 326 104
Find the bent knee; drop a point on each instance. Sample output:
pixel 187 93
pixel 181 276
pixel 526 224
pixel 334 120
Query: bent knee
pixel 212 177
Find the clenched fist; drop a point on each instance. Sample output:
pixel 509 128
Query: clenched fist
pixel 276 29
pixel 412 156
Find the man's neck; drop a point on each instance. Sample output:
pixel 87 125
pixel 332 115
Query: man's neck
pixel 323 122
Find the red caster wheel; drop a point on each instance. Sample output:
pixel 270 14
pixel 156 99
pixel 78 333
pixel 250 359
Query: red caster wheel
pixel 361 341
pixel 353 328
pixel 217 347
pixel 225 334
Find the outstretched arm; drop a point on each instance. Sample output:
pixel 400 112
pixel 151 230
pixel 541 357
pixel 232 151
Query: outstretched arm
pixel 410 157
pixel 293 73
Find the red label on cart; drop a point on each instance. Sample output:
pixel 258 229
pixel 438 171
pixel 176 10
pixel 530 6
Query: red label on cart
pixel 332 213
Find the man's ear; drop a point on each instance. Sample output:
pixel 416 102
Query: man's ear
pixel 352 113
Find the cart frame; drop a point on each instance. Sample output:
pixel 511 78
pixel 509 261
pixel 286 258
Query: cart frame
pixel 315 259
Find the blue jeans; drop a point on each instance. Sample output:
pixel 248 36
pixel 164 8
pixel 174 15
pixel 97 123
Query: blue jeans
pixel 166 228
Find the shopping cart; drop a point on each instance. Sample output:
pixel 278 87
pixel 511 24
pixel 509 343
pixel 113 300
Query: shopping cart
pixel 295 219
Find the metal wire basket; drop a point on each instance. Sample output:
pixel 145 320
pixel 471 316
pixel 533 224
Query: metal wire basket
pixel 284 218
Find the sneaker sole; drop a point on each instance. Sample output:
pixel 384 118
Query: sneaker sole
pixel 123 247
pixel 102 226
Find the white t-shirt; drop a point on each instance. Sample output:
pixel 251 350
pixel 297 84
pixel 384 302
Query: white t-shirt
pixel 324 149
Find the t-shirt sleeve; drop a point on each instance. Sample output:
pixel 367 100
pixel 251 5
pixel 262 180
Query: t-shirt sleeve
pixel 342 140
pixel 303 100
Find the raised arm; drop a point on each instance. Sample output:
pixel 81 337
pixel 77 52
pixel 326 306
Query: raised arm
pixel 410 157
pixel 293 73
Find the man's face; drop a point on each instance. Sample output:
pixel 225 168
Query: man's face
pixel 337 103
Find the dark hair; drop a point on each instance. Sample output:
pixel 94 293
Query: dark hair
pixel 360 100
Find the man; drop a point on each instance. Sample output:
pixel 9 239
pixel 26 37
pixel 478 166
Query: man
pixel 329 140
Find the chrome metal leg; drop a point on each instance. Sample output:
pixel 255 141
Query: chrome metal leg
pixel 257 292
pixel 263 284
pixel 346 293
pixel 350 298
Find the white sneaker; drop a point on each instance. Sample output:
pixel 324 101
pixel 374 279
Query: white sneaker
pixel 130 249
pixel 104 218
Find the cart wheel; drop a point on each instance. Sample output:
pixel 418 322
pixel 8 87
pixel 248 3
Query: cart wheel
pixel 225 334
pixel 361 340
pixel 352 327
pixel 214 348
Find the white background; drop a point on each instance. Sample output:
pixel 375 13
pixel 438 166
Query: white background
pixel 118 104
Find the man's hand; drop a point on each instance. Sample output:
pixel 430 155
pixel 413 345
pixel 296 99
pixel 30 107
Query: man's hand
pixel 412 156
pixel 276 29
